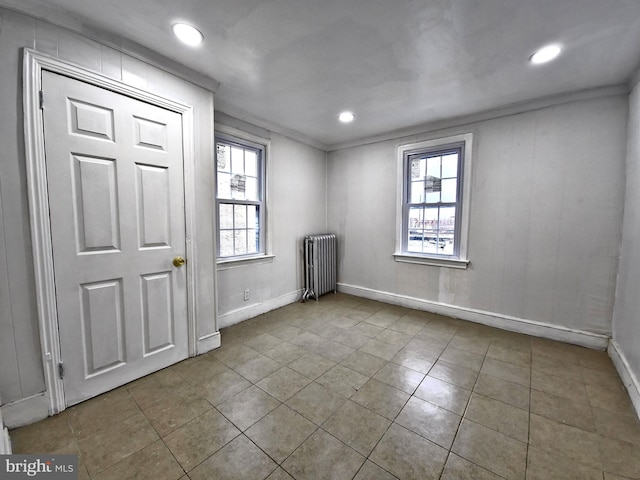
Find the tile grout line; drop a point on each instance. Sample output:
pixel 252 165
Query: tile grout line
pixel 526 459
pixel 121 420
pixel 405 404
pixel 393 421
pixel 160 436
pixel 462 417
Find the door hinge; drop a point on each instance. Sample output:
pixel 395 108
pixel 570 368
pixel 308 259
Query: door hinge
pixel 61 370
pixel 41 98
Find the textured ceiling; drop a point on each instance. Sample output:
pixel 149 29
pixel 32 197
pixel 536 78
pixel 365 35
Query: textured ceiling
pixel 395 63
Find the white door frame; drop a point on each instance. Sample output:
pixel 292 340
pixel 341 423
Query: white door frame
pixel 34 63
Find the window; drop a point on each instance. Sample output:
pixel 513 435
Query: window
pixel 433 185
pixel 435 201
pixel 240 197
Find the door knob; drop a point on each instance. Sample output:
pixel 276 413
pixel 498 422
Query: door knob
pixel 179 261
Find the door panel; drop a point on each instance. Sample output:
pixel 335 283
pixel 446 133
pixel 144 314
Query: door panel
pixel 102 324
pixel 154 214
pixel 115 184
pixel 90 120
pixel 150 134
pixel 96 203
pixel 157 306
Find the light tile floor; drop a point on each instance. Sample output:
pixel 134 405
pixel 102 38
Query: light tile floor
pixel 348 388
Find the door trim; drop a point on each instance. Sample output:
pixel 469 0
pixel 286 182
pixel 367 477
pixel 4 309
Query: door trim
pixel 34 63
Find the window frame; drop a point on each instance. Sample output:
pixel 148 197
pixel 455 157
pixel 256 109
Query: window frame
pixel 242 139
pixel 407 152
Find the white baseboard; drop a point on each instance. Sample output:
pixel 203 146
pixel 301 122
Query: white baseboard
pixel 627 375
pixel 242 314
pixel 208 343
pixel 25 411
pixel 505 322
pixel 5 443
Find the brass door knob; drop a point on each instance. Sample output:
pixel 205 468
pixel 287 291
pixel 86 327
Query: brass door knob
pixel 179 261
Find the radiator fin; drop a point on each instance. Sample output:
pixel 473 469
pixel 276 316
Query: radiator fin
pixel 320 260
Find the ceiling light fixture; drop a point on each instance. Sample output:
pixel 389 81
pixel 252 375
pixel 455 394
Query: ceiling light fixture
pixel 187 34
pixel 545 54
pixel 346 117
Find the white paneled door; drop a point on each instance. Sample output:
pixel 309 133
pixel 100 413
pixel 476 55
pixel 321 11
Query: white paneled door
pixel 115 184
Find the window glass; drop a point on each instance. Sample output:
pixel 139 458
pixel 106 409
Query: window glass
pixel 239 197
pixel 432 185
pixel 450 165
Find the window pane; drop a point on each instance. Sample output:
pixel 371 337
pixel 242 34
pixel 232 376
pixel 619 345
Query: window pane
pixel 253 221
pixel 240 238
pixel 251 189
pixel 415 244
pixel 238 186
pixel 449 187
pixel 224 163
pixel 416 217
pixel 416 229
pixel 240 216
pixel 237 160
pixel 446 247
pixel 418 168
pixel 450 166
pixel 433 197
pixel 224 185
pixel 252 241
pixel 251 163
pixel 431 219
pixel 417 191
pixel 431 246
pixel 226 243
pixel 433 167
pixel 447 218
pixel 447 229
pixel 433 183
pixel 226 216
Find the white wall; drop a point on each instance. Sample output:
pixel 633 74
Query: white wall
pixel 296 206
pixel 546 212
pixel 21 373
pixel 626 319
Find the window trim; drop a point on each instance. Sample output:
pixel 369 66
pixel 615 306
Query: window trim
pixel 460 260
pixel 242 138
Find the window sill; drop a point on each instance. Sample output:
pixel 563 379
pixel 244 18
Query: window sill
pixel 433 261
pixel 227 263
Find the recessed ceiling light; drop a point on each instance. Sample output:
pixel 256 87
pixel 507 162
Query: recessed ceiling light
pixel 346 117
pixel 545 54
pixel 187 34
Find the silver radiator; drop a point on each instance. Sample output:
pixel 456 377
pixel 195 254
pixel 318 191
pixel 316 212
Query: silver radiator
pixel 320 260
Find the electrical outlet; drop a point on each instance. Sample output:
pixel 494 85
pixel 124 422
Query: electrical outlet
pixel 246 294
